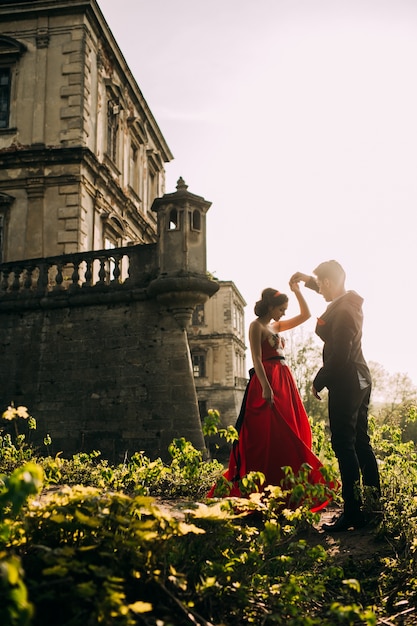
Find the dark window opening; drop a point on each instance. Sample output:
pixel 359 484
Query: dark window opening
pixel 173 220
pixel 152 187
pixel 4 97
pixel 134 168
pixel 113 110
pixel 195 220
pixel 199 365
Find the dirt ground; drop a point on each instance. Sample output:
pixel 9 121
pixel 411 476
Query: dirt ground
pixel 360 544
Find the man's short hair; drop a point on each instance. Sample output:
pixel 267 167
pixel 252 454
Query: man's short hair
pixel 331 270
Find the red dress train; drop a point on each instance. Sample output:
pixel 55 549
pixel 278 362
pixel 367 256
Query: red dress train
pixel 271 437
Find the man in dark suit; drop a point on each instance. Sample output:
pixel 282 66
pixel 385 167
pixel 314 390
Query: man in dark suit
pixel 346 375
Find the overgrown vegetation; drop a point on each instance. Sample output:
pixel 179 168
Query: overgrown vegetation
pixel 86 543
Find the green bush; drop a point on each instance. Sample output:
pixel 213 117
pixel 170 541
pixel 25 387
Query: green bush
pixel 83 542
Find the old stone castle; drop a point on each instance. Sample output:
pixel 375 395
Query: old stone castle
pixel 111 330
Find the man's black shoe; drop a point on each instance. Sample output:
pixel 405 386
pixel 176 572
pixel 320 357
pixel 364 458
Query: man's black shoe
pixel 343 523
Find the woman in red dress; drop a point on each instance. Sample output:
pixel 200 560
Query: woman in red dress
pixel 273 426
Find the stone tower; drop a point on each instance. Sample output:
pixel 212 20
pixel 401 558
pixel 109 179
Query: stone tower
pixel 182 281
pixel 102 360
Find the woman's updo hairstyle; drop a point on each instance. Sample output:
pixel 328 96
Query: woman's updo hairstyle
pixel 269 298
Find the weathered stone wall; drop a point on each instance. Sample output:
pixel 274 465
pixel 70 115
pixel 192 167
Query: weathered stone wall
pixel 114 376
pixel 101 362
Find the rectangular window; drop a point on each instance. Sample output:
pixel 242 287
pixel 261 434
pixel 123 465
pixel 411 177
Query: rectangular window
pixel 198 315
pixel 238 318
pixel 152 186
pixel 199 365
pixel 134 168
pixel 112 126
pixel 109 244
pixel 4 97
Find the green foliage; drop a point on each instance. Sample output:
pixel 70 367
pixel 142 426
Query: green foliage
pixel 92 546
pixel 98 558
pixel 15 607
pixel 187 475
pixel 15 448
pixel 211 427
pixel 16 488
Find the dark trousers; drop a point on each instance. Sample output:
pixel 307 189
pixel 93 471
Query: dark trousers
pixel 348 418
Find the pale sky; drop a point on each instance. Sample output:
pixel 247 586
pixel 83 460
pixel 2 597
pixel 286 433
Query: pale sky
pixel 297 119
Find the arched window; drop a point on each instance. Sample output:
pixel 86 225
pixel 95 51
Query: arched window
pixel 195 220
pixel 114 231
pixel 174 220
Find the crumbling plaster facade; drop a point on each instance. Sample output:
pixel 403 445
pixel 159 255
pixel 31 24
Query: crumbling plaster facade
pixel 81 155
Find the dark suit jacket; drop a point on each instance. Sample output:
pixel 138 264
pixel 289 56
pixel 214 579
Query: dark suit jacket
pixel 340 328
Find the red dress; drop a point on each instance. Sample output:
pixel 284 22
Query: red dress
pixel 272 437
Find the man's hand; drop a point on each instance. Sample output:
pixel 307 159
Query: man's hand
pixel 299 276
pixel 315 393
pixel 294 286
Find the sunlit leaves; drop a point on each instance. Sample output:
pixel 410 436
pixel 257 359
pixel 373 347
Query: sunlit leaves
pixel 115 556
pixel 16 488
pixel 15 606
pixel 13 412
pixel 211 426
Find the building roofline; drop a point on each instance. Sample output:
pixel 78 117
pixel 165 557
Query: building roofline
pixel 22 8
pixel 235 289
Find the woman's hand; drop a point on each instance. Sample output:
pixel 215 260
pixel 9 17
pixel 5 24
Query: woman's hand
pixel 268 395
pixel 294 286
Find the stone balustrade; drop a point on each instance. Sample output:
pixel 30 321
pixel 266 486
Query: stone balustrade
pixel 92 271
